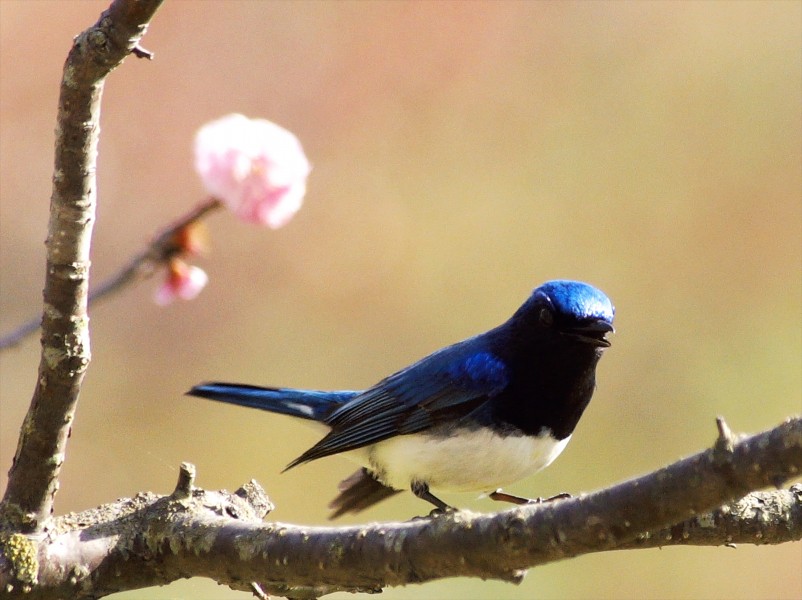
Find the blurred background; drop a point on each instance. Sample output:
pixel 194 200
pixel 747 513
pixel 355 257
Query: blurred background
pixel 463 153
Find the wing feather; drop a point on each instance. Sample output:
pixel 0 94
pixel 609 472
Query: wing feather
pixel 446 385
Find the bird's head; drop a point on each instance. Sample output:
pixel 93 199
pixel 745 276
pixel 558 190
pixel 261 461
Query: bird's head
pixel 570 309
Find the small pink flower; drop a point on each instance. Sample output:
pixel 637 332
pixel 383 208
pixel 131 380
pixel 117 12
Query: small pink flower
pixel 183 281
pixel 255 167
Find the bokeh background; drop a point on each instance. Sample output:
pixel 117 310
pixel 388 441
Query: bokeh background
pixel 463 153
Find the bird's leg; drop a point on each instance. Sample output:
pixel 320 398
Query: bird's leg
pixel 421 490
pixel 501 496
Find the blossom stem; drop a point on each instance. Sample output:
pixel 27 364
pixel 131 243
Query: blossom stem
pixel 160 250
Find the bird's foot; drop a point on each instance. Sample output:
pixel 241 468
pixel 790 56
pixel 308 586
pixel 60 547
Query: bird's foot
pixel 436 512
pixel 560 496
pixel 421 490
pixel 501 496
pixel 439 512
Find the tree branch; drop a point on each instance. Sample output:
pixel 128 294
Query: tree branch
pixel 758 518
pixel 33 478
pixel 151 540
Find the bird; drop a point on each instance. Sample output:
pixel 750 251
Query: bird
pixel 474 416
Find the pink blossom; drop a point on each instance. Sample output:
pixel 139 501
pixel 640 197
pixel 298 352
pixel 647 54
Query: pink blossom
pixel 183 281
pixel 255 167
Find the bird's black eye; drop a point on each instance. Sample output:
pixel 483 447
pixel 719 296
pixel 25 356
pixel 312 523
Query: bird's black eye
pixel 546 317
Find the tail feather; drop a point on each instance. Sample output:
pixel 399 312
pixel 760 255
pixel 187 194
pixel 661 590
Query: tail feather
pixel 306 404
pixel 358 492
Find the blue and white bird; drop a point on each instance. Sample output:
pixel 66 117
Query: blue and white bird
pixel 474 416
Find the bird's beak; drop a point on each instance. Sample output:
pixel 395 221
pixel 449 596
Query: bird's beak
pixel 593 333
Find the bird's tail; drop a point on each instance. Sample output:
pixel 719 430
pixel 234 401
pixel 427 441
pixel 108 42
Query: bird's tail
pixel 306 404
pixel 358 492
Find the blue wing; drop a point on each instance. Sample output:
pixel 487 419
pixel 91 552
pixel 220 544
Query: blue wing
pixel 446 385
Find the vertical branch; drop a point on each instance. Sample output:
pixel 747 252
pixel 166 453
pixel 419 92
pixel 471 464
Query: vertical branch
pixel 33 478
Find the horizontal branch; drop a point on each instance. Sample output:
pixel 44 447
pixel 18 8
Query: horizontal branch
pixel 151 540
pixel 759 518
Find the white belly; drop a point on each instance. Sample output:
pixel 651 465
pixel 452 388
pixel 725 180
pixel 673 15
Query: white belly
pixel 473 461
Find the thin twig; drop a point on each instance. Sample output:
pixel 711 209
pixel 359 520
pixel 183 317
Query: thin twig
pixel 141 266
pixel 20 333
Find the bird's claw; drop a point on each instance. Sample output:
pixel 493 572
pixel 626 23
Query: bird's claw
pixel 439 512
pixel 435 513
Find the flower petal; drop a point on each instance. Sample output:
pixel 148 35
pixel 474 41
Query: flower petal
pixel 257 168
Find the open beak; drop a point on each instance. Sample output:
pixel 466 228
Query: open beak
pixel 593 333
